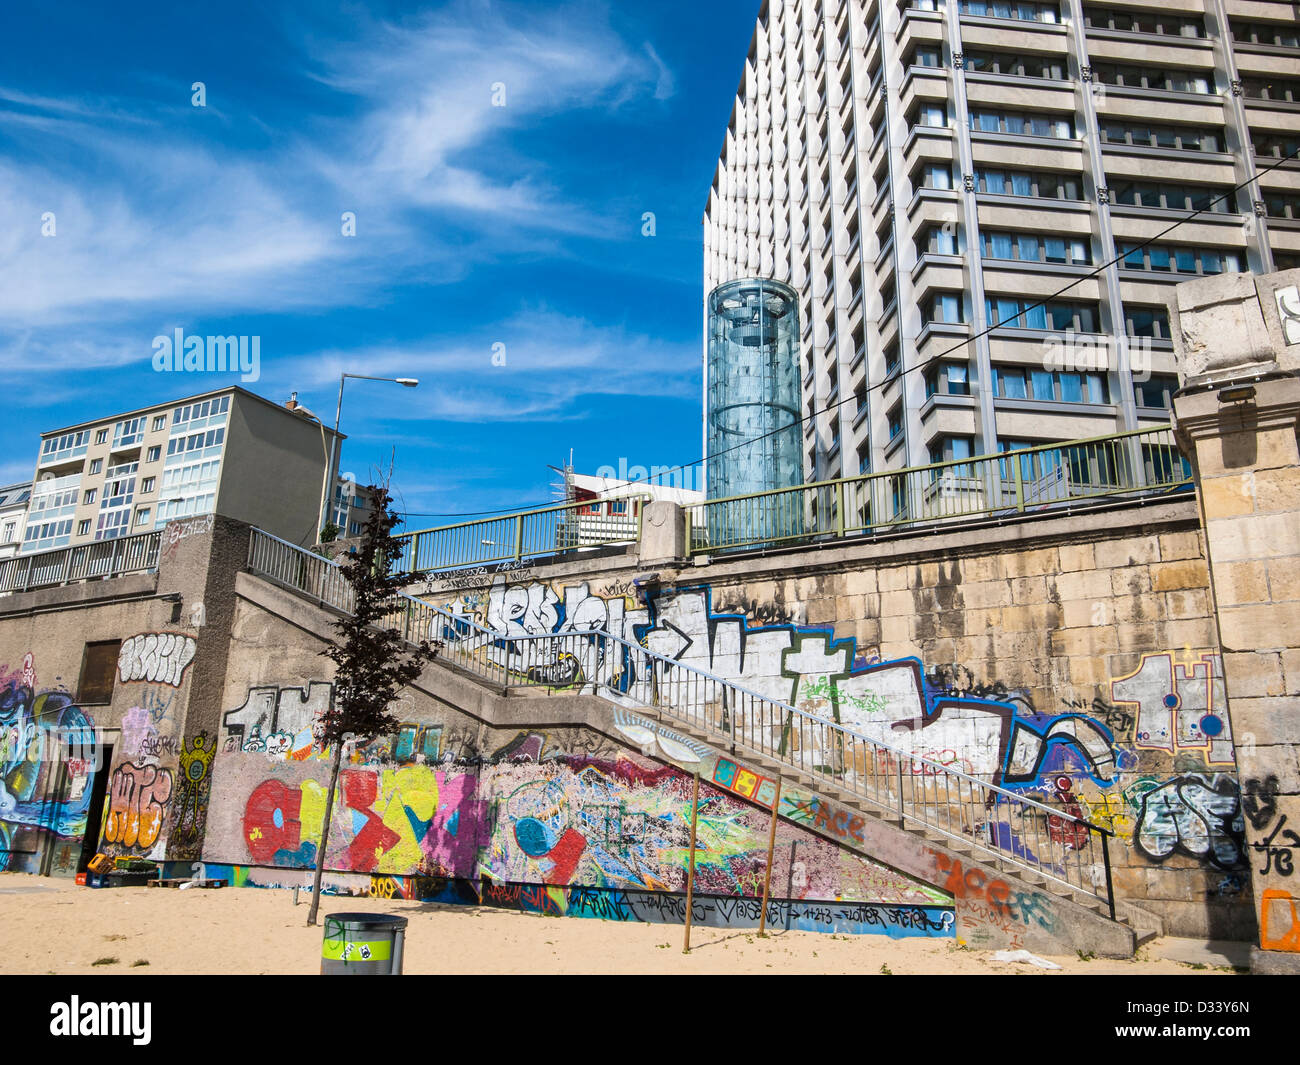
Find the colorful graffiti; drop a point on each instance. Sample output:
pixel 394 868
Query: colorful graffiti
pixel 1196 816
pixel 157 657
pixel 49 755
pixel 1279 921
pixel 1180 706
pixel 615 822
pixel 280 722
pixel 190 803
pixel 138 794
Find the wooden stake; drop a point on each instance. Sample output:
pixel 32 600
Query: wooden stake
pixel 690 860
pixel 771 848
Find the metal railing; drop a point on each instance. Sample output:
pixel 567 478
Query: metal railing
pixel 921 793
pixel 1042 478
pixel 526 534
pixel 103 558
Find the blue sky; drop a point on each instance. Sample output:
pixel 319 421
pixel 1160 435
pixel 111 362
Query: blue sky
pixel 476 225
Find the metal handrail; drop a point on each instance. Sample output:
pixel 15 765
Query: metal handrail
pixel 630 674
pixel 1042 476
pixel 557 529
pixel 98 559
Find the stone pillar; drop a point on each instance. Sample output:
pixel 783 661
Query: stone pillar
pixel 1237 416
pixel 663 532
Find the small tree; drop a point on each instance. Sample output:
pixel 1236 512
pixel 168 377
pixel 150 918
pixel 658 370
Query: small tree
pixel 372 660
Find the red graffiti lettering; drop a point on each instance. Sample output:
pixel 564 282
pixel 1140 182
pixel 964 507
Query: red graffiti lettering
pixel 360 789
pixel 271 820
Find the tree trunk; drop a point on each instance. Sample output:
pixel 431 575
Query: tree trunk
pixel 325 833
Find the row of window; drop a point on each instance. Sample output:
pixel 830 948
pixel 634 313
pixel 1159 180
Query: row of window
pixel 1017 312
pixel 1030 65
pixel 1283 90
pixel 1172 79
pixel 1019 382
pixel 984 120
pixel 202 409
pixel 180 445
pixel 1274 34
pixel 1179 259
pixel 57 447
pixel 1181 138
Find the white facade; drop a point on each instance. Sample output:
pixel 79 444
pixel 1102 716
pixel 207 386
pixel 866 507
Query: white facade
pixel 922 170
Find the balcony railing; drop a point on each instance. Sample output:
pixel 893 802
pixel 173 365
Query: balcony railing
pixel 553 530
pixel 103 558
pixel 1039 479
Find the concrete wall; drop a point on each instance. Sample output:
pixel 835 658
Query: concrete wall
pixel 1073 660
pixel 575 809
pixel 147 741
pixel 273 469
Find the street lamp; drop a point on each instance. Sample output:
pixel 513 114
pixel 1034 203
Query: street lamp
pixel 331 469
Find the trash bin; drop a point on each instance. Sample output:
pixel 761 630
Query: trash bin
pixel 362 944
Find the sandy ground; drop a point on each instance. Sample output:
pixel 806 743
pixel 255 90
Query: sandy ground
pixel 256 931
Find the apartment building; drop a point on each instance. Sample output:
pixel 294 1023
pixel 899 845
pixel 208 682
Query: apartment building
pixel 922 170
pixel 13 517
pixel 228 451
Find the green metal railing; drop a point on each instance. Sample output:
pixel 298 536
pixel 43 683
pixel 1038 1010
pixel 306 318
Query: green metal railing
pixel 527 534
pixel 1046 477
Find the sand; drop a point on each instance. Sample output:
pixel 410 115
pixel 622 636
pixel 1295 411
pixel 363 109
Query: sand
pixel 255 931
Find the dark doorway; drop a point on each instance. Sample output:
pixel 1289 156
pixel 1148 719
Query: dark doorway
pixel 95 813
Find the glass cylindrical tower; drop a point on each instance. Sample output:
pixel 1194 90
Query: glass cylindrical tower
pixel 753 411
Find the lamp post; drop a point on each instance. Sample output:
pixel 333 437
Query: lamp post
pixel 331 470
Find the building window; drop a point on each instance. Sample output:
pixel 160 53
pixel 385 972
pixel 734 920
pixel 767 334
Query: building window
pixel 128 432
pixel 1181 259
pixel 96 465
pixel 1146 22
pixel 943 307
pixel 1146 322
pixel 1164 79
pixel 1024 382
pixel 1011 312
pixel 159 422
pixel 89 497
pixel 895 417
pixel 892 359
pixel 1025 12
pixel 1157 391
pixel 146 485
pixel 1180 138
pixel 947 449
pixel 1281 90
pixel 1275 145
pixel 1044 186
pixel 1173 197
pixel 83 527
pixel 935 176
pixel 924 57
pixel 98 671
pixel 983 120
pixel 1020 66
pixel 933 115
pixel 1271 34
pixel 941 240
pixel 101 436
pixel 142 516
pixel 948 379
pixel 1281 205
pixel 1030 247
pixel 11 527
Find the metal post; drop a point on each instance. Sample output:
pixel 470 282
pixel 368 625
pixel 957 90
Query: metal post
pixel 1105 857
pixel 519 536
pixel 771 847
pixel 690 859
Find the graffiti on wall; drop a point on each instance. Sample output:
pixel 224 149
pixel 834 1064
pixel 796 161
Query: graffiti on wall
pixel 525 814
pixel 1198 816
pixel 1160 728
pixel 157 657
pixel 190 802
pixel 137 803
pixel 49 754
pixel 1178 706
pixel 281 722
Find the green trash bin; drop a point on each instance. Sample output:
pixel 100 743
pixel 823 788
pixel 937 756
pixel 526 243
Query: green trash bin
pixel 362 944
